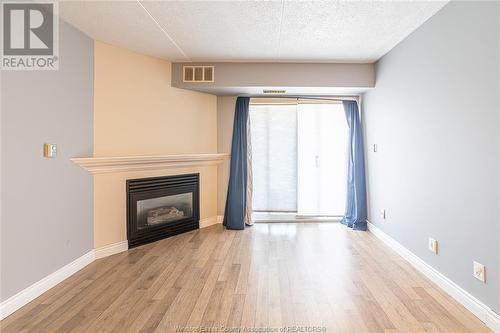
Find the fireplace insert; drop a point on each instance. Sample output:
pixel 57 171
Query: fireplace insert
pixel 161 207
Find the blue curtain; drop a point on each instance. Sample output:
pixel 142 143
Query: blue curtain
pixel 355 211
pixel 234 214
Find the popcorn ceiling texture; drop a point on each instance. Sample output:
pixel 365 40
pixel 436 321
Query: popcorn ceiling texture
pixel 273 31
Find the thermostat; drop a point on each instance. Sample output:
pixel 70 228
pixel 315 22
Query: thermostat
pixel 49 150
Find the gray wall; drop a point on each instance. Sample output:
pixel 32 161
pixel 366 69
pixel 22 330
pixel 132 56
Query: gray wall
pixel 46 203
pixel 435 117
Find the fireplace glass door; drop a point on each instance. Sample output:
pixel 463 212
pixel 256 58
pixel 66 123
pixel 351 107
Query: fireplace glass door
pixel 165 209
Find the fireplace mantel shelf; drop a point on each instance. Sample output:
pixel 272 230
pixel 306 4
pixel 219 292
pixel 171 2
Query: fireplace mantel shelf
pixel 138 163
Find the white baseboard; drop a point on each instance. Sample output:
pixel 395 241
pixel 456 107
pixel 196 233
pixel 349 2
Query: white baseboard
pixel 220 219
pixel 111 249
pixel 209 221
pixel 479 309
pixel 27 295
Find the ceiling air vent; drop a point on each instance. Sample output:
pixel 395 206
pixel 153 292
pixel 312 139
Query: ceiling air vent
pixel 269 91
pixel 198 73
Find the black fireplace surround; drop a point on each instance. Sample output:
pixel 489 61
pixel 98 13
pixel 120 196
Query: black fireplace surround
pixel 161 207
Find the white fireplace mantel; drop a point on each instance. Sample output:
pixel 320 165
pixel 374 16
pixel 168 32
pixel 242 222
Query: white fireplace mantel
pixel 139 163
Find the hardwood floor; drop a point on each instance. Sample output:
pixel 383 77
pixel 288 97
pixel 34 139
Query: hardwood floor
pixel 313 275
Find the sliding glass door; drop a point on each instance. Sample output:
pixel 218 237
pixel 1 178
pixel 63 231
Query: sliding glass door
pixel 298 157
pixel 321 159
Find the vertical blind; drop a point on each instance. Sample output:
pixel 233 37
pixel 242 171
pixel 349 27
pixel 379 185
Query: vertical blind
pixel 274 157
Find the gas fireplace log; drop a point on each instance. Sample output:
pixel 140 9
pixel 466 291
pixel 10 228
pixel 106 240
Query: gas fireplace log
pixel 163 214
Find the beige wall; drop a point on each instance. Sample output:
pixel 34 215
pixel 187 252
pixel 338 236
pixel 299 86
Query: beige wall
pixel 137 112
pixel 225 117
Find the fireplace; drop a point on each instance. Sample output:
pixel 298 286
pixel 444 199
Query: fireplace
pixel 161 207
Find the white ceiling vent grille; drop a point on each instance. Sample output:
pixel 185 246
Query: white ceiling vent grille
pixel 274 91
pixel 198 73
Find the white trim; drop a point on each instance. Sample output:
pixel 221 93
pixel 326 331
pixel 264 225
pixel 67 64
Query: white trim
pixel 206 222
pixel 110 249
pixel 220 219
pixel 25 296
pixel 479 309
pixel 138 163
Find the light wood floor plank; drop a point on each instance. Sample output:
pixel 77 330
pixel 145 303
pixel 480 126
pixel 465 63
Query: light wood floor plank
pixel 266 276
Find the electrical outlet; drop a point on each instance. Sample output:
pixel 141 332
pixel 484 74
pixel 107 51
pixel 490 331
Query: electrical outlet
pixel 433 245
pixel 479 272
pixel 382 213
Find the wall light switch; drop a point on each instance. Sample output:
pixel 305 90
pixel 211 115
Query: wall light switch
pixel 433 245
pixel 50 150
pixel 375 148
pixel 382 213
pixel 479 272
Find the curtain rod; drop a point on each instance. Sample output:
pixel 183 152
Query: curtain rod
pixel 296 99
pixel 328 98
pixel 337 97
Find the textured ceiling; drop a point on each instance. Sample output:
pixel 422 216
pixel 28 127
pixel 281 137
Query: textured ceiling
pixel 295 31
